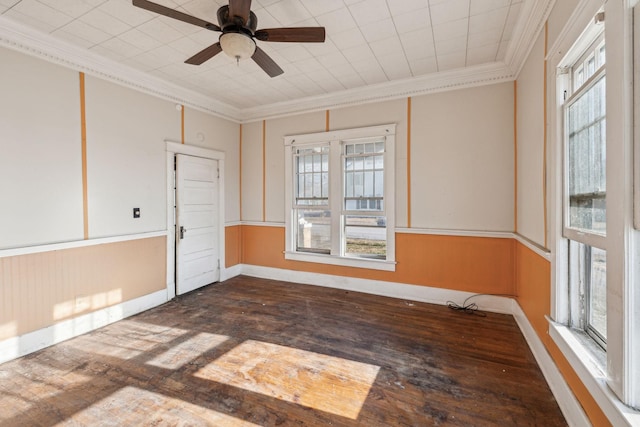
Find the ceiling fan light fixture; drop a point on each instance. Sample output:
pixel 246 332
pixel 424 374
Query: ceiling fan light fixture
pixel 237 45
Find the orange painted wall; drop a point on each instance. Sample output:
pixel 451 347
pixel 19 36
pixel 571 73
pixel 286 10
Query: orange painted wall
pixel 232 239
pixel 473 264
pixel 533 285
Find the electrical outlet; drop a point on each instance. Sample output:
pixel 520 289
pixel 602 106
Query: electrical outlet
pixel 136 212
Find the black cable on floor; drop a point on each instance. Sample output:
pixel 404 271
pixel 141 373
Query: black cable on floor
pixel 472 308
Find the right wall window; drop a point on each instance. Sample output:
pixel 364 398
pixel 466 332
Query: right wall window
pixel 585 207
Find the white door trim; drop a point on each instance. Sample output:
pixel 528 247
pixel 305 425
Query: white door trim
pixel 173 148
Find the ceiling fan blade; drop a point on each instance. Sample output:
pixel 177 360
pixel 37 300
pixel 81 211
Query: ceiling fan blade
pixel 172 13
pixel 204 54
pixel 295 34
pixel 266 63
pixel 240 8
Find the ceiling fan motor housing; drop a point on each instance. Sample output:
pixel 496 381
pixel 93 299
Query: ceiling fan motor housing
pixel 237 36
pixel 234 23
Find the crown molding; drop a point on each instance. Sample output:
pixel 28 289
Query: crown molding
pixel 27 40
pixel 32 42
pixel 436 82
pixel 530 23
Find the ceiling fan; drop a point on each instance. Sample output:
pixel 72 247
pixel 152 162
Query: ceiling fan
pixel 238 24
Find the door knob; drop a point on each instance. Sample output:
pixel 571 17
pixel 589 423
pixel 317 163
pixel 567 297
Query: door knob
pixel 182 231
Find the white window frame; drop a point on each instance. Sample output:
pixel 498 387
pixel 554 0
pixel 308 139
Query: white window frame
pixel 579 286
pixel 612 378
pixel 336 185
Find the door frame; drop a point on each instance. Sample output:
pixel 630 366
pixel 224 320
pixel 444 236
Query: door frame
pixel 173 148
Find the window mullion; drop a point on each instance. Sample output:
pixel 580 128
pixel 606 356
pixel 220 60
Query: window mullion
pixel 336 186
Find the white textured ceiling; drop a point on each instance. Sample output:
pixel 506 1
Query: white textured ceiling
pixel 369 43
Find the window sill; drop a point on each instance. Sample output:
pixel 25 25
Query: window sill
pixel 589 362
pixel 371 264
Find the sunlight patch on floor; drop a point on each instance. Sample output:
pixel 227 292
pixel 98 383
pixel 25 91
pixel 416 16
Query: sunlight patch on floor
pixel 127 339
pixel 186 351
pixel 150 409
pixel 314 380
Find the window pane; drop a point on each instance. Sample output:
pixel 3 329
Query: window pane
pixel 587 161
pixel 379 162
pixel 358 163
pixel 379 184
pixel 325 185
pixel 368 184
pixel 578 78
pixel 348 182
pixel 364 204
pixel 597 292
pixel 308 185
pixel 314 231
pixel 364 189
pixel 312 188
pixel 317 185
pixel 358 184
pixel 591 65
pixel 368 162
pixel 602 55
pixel 366 236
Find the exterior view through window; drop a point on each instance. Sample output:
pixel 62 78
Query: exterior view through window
pixel 365 224
pixel 586 190
pixel 312 199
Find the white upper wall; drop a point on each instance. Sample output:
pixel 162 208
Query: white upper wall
pixel 462 168
pixel 252 172
pixel 126 160
pixel 530 116
pixel 40 160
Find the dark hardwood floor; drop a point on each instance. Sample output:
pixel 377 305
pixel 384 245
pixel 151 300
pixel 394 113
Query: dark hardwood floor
pixel 259 352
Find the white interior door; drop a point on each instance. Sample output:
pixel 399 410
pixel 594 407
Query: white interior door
pixel 197 218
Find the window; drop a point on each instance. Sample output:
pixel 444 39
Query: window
pixel 339 197
pixel 595 249
pixel 312 199
pixel 365 221
pixel 585 209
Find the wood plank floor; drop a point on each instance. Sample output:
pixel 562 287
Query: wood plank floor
pixel 252 352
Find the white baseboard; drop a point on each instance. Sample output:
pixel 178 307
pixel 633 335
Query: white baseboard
pixel 231 272
pixel 569 405
pixel 377 287
pixel 22 345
